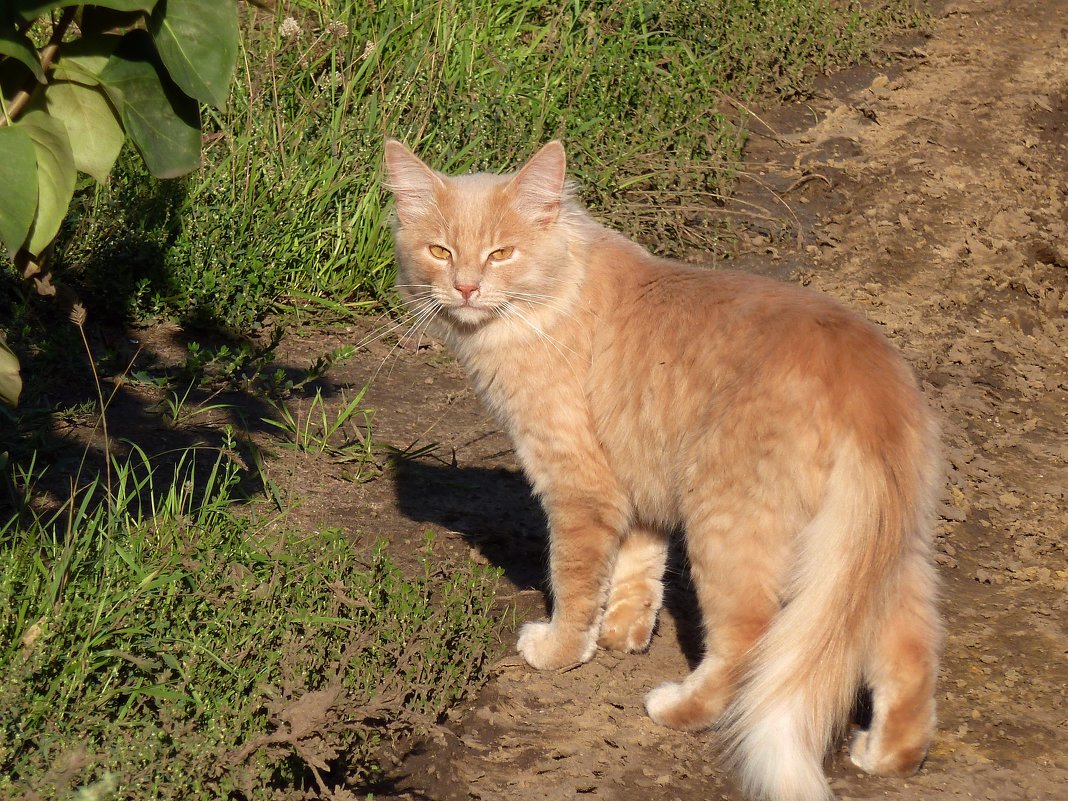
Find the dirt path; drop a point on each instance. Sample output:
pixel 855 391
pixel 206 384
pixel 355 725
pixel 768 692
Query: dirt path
pixel 944 217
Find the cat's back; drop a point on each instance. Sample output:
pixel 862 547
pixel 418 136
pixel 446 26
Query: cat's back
pixel 691 336
pixel 668 301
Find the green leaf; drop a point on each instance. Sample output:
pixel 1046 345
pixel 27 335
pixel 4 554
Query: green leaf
pixel 197 40
pixel 163 123
pixel 10 380
pixel 18 176
pixel 83 60
pixel 30 9
pixel 55 176
pixel 18 46
pixel 95 134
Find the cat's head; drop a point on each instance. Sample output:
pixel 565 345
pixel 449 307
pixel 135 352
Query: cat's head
pixel 481 247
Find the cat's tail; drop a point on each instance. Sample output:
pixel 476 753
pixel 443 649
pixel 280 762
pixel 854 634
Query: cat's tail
pixel 801 680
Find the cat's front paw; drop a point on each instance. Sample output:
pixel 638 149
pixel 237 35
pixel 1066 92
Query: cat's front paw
pixel 546 646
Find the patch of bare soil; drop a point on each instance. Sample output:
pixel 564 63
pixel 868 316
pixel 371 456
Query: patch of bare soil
pixel 934 198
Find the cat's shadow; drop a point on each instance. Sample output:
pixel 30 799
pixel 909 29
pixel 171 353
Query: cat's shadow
pixel 493 509
pixel 496 513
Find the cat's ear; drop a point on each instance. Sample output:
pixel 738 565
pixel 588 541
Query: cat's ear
pixel 539 186
pixel 412 183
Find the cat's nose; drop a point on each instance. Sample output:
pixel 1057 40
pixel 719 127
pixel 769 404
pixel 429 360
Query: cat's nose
pixel 467 290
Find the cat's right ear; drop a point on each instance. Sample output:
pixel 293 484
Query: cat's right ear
pixel 412 183
pixel 539 185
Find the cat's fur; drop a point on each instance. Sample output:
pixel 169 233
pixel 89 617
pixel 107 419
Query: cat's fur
pixel 779 430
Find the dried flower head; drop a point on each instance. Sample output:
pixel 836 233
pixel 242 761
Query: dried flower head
pixel 78 314
pixel 290 29
pixel 338 29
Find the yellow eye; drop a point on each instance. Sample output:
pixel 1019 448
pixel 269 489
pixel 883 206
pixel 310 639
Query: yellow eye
pixel 500 254
pixel 438 252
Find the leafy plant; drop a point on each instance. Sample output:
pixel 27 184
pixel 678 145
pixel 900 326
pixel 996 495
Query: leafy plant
pixel 78 79
pixel 10 376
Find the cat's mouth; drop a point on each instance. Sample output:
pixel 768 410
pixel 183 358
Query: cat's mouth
pixel 470 314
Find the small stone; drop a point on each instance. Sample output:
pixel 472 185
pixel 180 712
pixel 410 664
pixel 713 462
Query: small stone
pixel 945 560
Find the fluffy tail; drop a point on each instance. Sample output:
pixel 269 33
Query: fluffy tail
pixel 803 675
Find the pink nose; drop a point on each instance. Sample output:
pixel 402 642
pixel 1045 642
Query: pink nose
pixel 467 290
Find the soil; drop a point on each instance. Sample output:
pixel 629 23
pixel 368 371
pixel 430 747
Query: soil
pixel 932 195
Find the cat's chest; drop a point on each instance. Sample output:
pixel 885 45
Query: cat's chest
pixel 523 383
pixel 556 412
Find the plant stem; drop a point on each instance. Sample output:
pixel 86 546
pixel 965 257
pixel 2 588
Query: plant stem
pixel 78 318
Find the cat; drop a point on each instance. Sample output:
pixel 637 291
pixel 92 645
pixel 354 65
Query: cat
pixel 778 430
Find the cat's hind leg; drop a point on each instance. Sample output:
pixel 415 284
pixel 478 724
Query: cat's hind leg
pixel 736 563
pixel 637 591
pixel 901 671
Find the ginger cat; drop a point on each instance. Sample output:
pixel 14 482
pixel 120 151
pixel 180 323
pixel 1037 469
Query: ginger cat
pixel 777 429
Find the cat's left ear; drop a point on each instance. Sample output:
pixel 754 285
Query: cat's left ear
pixel 412 183
pixel 539 186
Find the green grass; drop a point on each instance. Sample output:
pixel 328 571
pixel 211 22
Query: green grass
pixel 161 645
pixel 289 209
pixel 344 434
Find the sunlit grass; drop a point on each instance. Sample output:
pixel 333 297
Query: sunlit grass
pixel 289 208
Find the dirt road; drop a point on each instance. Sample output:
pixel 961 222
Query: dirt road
pixel 934 198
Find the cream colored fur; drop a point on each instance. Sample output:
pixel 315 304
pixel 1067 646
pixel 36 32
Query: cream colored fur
pixel 777 429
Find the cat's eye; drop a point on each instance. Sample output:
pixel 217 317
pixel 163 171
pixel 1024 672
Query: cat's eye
pixel 438 252
pixel 500 254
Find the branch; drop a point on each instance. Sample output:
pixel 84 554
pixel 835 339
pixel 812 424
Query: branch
pixel 47 56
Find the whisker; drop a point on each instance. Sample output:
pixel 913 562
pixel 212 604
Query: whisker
pixel 393 325
pixel 401 322
pixel 426 313
pixel 553 303
pixel 514 311
pixel 416 332
pixel 543 304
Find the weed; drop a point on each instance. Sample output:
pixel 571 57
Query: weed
pixel 178 410
pixel 234 367
pixel 77 412
pixel 345 434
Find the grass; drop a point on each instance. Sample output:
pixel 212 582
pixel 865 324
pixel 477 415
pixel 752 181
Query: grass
pixel 163 635
pixel 289 211
pixel 159 644
pixel 319 430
